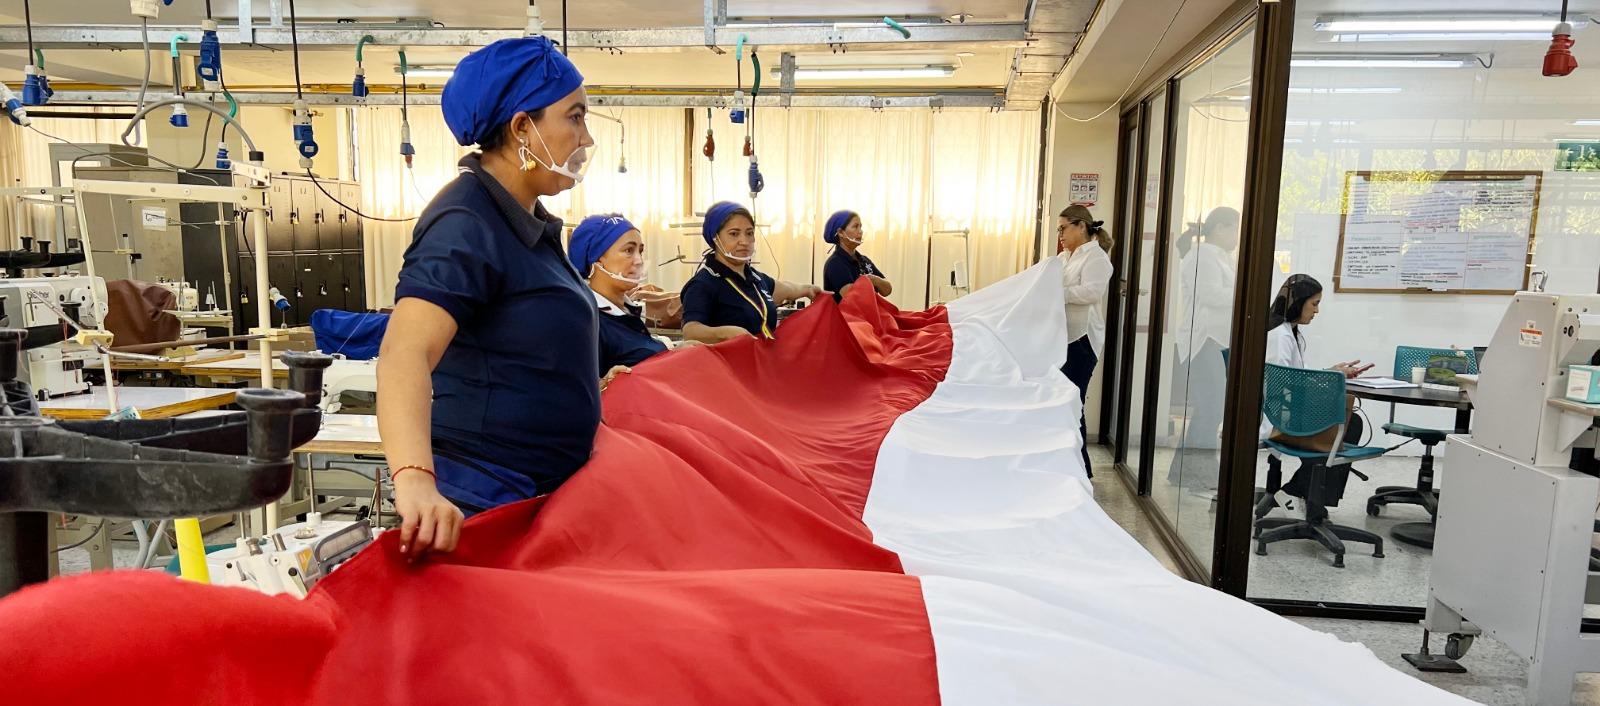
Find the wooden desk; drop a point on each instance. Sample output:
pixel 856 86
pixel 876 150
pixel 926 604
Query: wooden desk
pixel 175 364
pixel 151 402
pixel 247 366
pixel 346 434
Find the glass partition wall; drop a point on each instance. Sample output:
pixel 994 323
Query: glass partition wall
pixel 1363 134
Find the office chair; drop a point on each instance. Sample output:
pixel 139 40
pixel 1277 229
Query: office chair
pixel 1406 358
pixel 1301 402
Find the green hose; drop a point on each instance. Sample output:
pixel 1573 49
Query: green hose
pixel 38 58
pixel 403 67
pixel 755 86
pixel 896 26
pixel 175 39
pixel 233 105
pixel 362 45
pixel 738 50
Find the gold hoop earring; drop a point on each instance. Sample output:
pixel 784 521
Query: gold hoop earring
pixel 526 155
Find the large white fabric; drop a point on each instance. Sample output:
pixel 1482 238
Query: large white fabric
pixel 1034 595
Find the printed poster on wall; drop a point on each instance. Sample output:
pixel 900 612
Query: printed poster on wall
pixel 1441 232
pixel 1085 189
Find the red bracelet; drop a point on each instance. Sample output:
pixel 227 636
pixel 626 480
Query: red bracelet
pixel 401 469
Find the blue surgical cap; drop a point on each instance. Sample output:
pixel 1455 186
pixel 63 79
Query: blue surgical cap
pixel 836 222
pixel 491 85
pixel 593 237
pixel 716 216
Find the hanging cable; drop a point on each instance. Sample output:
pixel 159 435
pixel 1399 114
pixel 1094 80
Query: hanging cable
pixel 406 150
pixel 1135 78
pixel 353 209
pixel 35 84
pixel 563 27
pixel 304 140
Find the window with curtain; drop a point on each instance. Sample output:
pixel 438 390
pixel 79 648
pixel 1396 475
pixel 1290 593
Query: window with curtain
pixel 25 160
pixel 907 172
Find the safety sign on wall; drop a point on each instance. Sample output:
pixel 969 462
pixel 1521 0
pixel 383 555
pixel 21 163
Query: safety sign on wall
pixel 1085 189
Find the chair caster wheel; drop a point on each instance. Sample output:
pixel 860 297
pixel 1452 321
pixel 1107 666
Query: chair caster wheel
pixel 1456 645
pixel 1261 549
pixel 1378 554
pixel 1372 509
pixel 1338 561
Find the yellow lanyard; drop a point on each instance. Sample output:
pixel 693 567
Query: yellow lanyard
pixel 759 309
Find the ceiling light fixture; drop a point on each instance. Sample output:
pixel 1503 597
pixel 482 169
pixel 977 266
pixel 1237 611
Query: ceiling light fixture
pixel 847 73
pixel 416 71
pixel 1586 122
pixel 1383 61
pixel 1438 28
pixel 1342 90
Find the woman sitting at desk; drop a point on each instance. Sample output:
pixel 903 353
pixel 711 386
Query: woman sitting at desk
pixel 1299 301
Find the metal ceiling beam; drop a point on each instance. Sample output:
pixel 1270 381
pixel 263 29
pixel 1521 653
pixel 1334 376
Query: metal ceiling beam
pixel 932 100
pixel 950 37
pixel 319 35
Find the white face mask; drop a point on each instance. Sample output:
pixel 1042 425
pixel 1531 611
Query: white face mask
pixel 845 235
pixel 576 163
pixel 637 274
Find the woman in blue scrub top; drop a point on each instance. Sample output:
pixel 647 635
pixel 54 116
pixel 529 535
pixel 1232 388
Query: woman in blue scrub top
pixel 610 251
pixel 488 376
pixel 847 264
pixel 727 297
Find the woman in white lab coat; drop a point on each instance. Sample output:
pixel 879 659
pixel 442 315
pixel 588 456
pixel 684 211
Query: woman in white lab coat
pixel 1086 278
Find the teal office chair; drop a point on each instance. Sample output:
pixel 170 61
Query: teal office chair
pixel 1302 402
pixel 1406 358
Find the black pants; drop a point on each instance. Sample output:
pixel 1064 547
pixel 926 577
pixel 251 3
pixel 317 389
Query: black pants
pixel 1079 368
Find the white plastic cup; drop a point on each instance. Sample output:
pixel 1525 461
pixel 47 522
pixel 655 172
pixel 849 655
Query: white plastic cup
pixel 1418 375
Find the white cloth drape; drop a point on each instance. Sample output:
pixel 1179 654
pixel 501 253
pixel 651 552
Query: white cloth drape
pixel 907 172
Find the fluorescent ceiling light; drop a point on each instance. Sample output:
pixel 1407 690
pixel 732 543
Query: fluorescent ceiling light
pixel 842 73
pixel 1344 89
pixel 428 71
pixel 1441 36
pixel 1586 122
pixel 1383 61
pixel 1460 25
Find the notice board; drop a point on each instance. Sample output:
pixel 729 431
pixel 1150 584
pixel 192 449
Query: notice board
pixel 1437 232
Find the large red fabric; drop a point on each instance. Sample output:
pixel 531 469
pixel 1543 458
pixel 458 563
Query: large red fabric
pixel 712 551
pixel 142 637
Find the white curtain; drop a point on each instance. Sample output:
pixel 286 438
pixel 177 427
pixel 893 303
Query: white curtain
pixel 907 172
pixel 25 161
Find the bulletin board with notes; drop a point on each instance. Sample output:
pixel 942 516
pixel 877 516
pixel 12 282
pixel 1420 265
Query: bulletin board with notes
pixel 1437 232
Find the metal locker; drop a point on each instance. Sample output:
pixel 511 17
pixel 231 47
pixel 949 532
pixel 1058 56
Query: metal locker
pixel 307 206
pixel 280 214
pixel 355 282
pixel 331 230
pixel 351 234
pixel 328 282
pixel 281 274
pixel 244 287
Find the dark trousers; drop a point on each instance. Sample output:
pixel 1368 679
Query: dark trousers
pixel 1079 368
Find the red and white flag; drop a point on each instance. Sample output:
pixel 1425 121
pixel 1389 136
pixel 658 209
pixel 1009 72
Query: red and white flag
pixel 876 508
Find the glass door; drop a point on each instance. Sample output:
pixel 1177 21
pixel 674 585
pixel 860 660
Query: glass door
pixel 1122 256
pixel 1146 201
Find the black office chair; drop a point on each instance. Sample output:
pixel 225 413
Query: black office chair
pixel 1406 358
pixel 1301 402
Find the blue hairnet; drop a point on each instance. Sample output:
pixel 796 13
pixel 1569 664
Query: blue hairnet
pixel 491 85
pixel 836 222
pixel 593 237
pixel 716 217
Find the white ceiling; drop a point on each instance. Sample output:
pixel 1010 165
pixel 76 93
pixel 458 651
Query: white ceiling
pixel 1124 32
pixel 261 69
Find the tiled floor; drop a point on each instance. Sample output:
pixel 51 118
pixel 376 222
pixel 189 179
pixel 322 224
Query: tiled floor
pixel 1496 675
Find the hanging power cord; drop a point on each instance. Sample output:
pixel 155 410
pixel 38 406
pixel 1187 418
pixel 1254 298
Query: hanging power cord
pixel 144 83
pixel 304 141
pixel 1135 78
pixel 82 542
pixel 35 84
pixel 406 150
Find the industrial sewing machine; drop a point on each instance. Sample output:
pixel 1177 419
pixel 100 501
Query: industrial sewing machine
pixel 53 364
pixel 1512 552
